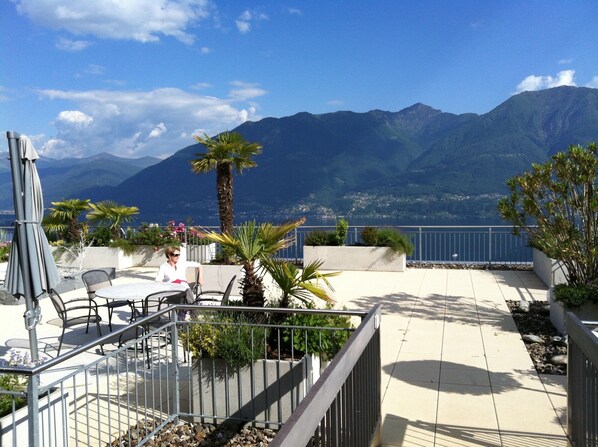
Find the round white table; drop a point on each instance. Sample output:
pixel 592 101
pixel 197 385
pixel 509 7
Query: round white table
pixel 138 291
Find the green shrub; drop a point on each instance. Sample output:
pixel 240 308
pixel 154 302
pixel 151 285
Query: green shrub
pixel 324 342
pixel 100 236
pixel 229 336
pixel 342 228
pixel 369 236
pixel 11 382
pixel 319 237
pixel 573 297
pixel 398 242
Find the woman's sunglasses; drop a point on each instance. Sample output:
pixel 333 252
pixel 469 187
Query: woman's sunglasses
pixel 175 255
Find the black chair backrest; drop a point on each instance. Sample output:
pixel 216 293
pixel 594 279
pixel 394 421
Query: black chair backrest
pixel 228 291
pixel 156 300
pixel 95 280
pixel 58 302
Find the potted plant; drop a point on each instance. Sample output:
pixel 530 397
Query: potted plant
pixel 383 249
pixel 14 421
pixel 246 364
pixel 556 203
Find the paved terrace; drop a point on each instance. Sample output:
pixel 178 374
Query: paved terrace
pixel 454 369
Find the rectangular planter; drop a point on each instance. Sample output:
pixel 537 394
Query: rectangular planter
pixel 587 312
pixel 548 270
pixel 217 277
pixel 380 259
pixel 96 257
pixel 268 390
pixel 53 422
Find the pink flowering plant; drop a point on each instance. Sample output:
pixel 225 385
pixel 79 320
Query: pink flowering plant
pixel 172 234
pixel 14 383
pixel 4 250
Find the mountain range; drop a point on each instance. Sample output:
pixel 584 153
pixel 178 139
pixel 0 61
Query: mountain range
pixel 416 165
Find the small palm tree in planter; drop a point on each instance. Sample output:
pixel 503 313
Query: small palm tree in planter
pixel 251 243
pixel 263 370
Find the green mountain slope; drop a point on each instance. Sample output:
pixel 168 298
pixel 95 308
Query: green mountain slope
pixel 418 164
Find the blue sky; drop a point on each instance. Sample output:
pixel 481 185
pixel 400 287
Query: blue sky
pixel 140 77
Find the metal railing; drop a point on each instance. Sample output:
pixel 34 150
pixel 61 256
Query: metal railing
pixel 145 383
pixel 433 244
pixel 343 408
pixel 582 382
pixel 441 244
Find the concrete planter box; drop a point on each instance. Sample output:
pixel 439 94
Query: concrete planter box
pixel 380 259
pixel 53 422
pixel 267 390
pixel 144 255
pixel 95 257
pixel 217 277
pixel 588 312
pixel 548 270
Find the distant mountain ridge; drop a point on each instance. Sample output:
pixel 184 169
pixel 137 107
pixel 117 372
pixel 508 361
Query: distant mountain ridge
pixel 418 164
pixel 67 177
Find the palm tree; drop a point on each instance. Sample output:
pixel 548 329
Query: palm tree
pixel 112 214
pixel 64 218
pixel 297 283
pixel 250 243
pixel 227 151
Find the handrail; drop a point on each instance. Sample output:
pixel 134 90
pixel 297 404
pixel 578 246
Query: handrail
pixel 304 421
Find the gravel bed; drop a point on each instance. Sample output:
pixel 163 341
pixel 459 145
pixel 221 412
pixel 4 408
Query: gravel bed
pixel 546 347
pixel 190 434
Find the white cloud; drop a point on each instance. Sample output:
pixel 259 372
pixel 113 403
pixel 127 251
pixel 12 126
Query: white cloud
pixel 565 61
pixel 295 11
pixel 243 91
pixel 593 83
pixel 533 83
pixel 247 19
pixel 157 131
pixel 139 20
pixel 75 117
pixel 201 86
pixel 205 50
pixel 72 45
pixel 134 123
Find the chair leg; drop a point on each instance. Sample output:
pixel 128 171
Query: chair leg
pixel 99 332
pixel 60 343
pixel 88 320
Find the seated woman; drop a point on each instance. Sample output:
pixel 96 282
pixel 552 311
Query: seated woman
pixel 174 270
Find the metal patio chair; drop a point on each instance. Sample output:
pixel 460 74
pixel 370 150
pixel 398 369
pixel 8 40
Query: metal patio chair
pixel 204 296
pixel 95 280
pixel 75 312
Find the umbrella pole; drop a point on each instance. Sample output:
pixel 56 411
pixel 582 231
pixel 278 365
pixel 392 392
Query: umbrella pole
pixel 32 312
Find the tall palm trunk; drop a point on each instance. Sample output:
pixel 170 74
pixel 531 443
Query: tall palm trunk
pixel 224 186
pixel 253 288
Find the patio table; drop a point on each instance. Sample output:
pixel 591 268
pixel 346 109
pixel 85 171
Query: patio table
pixel 138 291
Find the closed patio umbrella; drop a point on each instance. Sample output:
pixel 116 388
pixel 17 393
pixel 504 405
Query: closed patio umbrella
pixel 31 269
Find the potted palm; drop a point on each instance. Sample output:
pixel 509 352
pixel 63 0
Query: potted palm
pixel 243 366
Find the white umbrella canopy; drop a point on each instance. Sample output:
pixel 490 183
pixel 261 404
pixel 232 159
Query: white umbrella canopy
pixel 31 269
